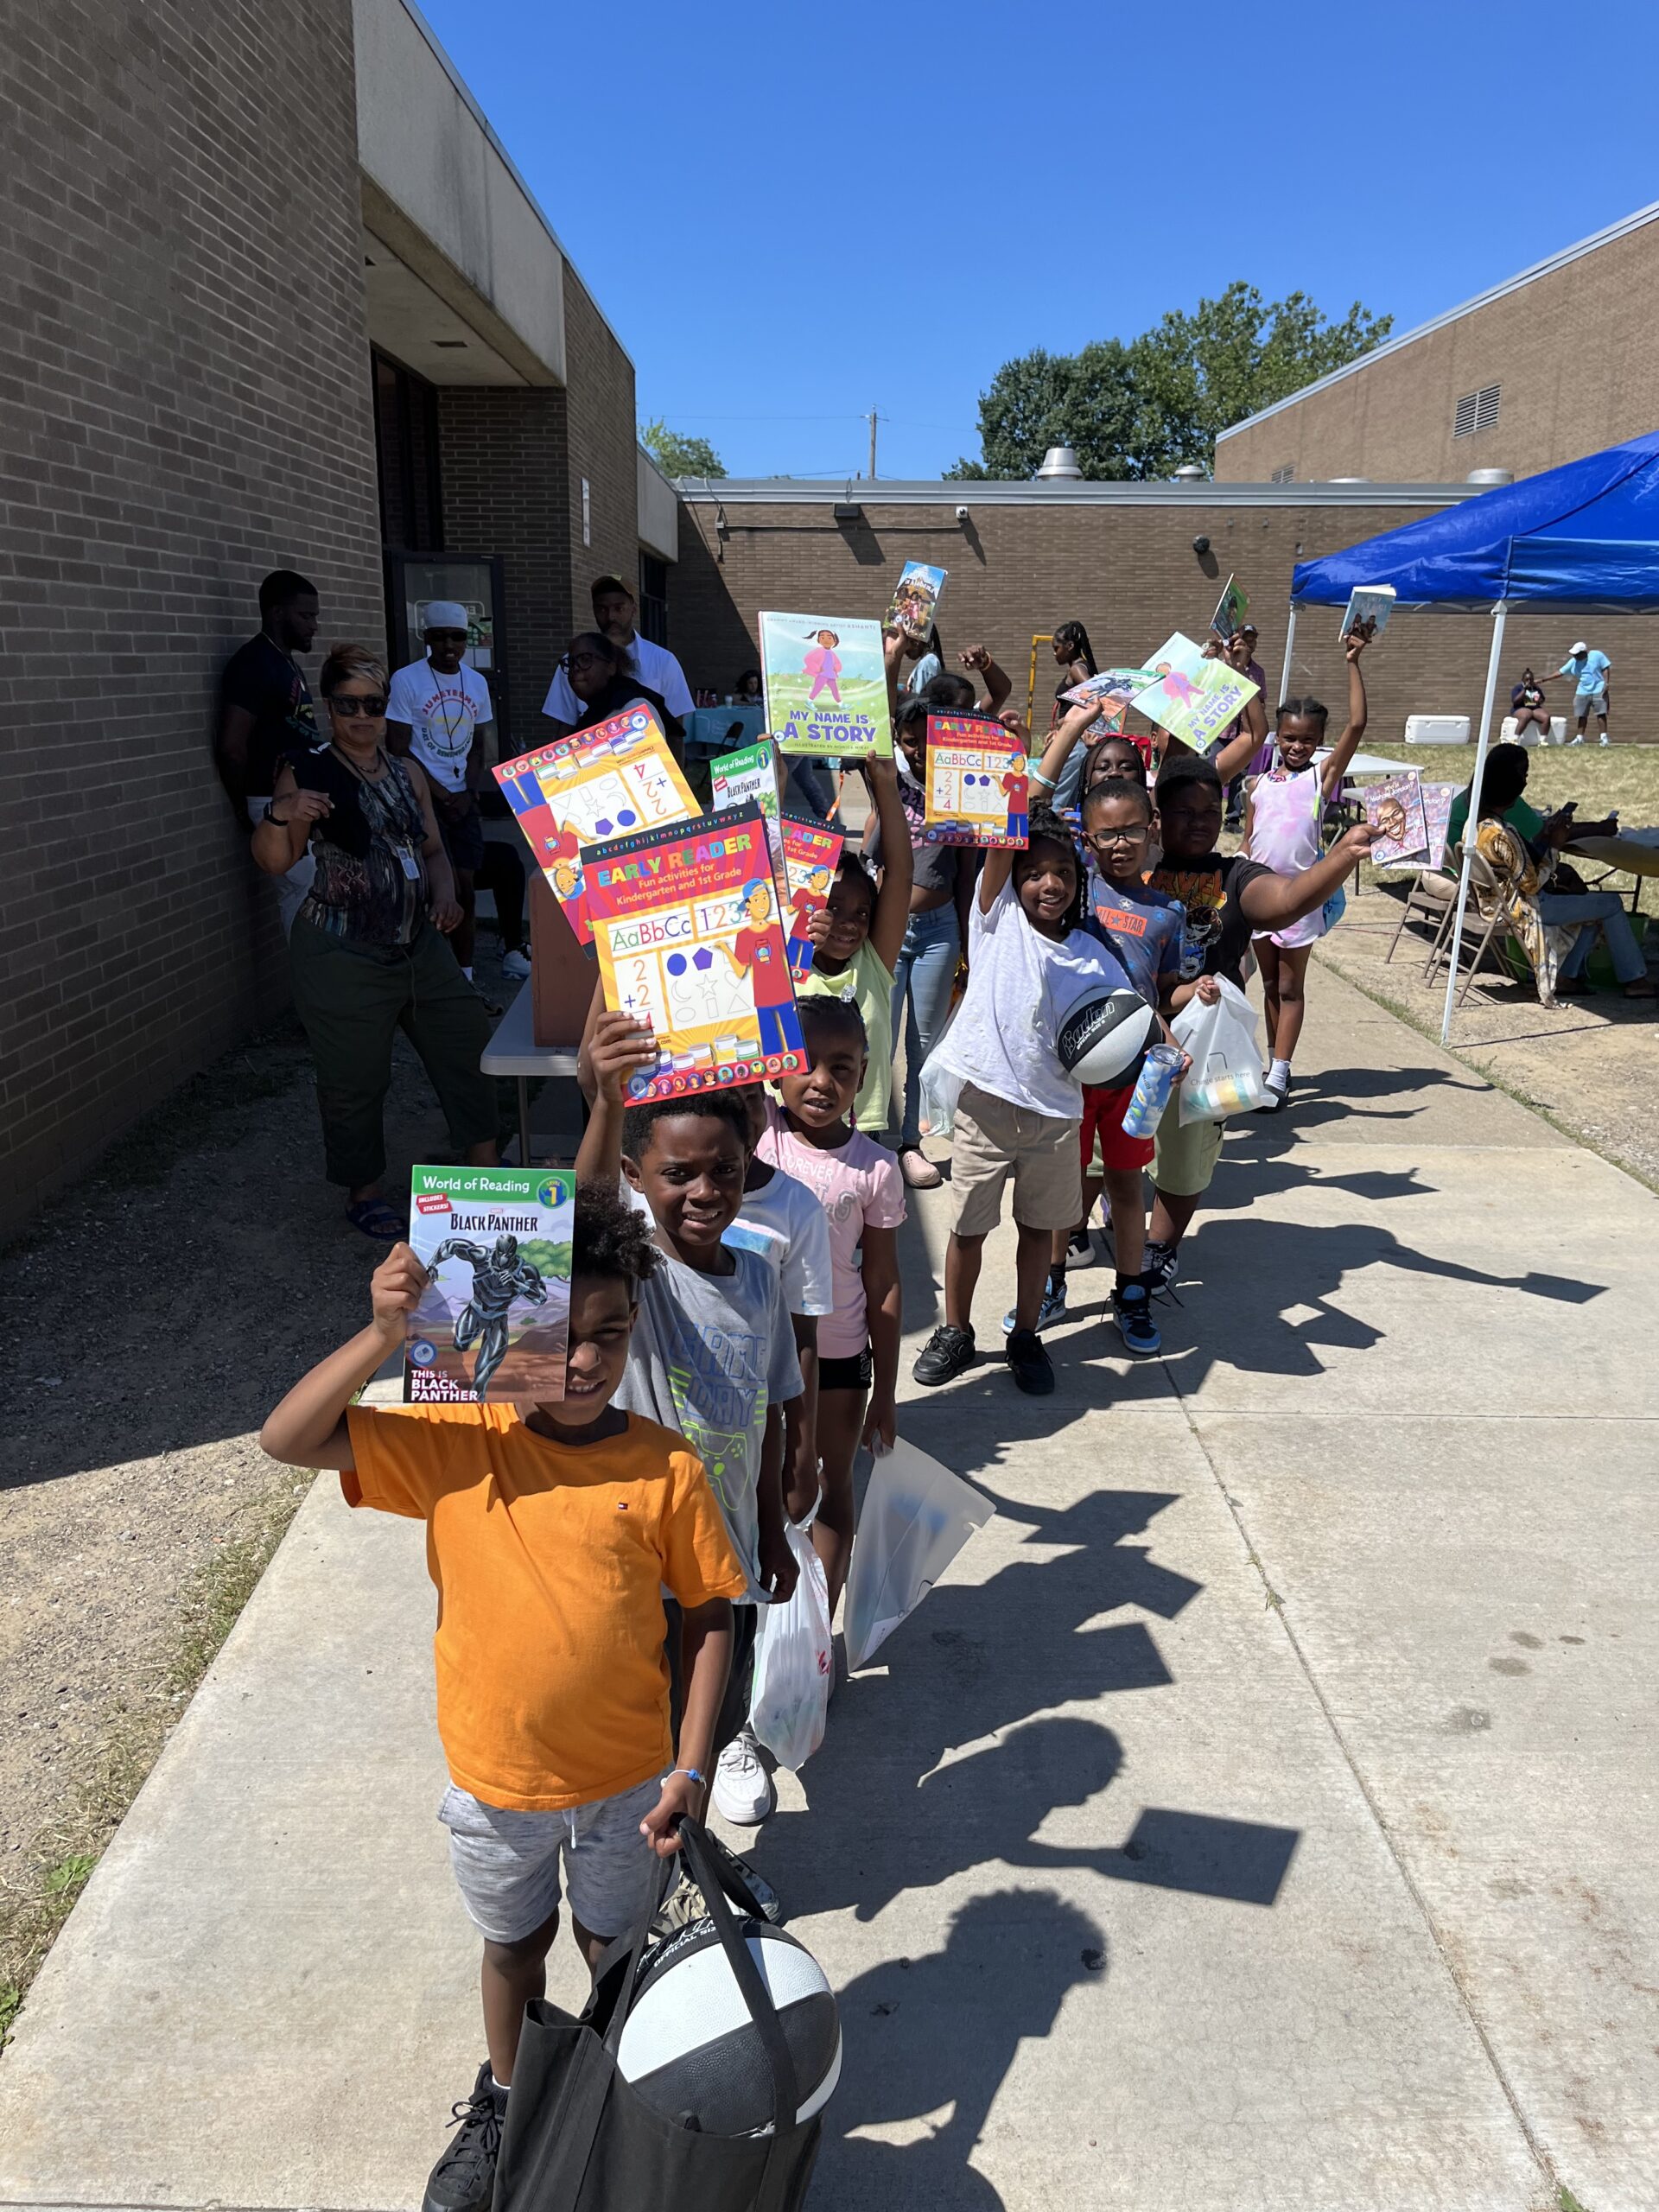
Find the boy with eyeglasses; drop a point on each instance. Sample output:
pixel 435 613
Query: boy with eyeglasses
pixel 439 709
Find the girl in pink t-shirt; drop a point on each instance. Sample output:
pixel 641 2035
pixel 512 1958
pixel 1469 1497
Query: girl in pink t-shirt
pixel 857 1183
pixel 823 664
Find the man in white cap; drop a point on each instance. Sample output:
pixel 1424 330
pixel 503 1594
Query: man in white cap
pixel 1588 670
pixel 438 710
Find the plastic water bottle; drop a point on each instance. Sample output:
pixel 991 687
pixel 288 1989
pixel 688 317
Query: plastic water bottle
pixel 1151 1089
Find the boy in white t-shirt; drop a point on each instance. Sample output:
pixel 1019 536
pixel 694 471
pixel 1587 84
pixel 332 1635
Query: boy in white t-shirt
pixel 438 709
pixel 1029 963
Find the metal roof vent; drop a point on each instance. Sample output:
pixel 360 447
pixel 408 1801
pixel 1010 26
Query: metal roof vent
pixel 1059 461
pixel 1189 472
pixel 1489 476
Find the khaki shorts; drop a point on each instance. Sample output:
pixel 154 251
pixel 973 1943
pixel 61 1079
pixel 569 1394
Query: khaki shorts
pixel 1183 1159
pixel 993 1140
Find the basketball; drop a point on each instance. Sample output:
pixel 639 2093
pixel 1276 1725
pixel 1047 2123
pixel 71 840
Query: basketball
pixel 1104 1038
pixel 691 2048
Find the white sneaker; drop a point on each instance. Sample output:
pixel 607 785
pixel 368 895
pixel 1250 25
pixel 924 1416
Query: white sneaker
pixel 1579 739
pixel 515 965
pixel 1603 739
pixel 743 1792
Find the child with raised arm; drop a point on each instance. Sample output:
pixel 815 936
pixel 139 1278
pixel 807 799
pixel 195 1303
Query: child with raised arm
pixel 713 1354
pixel 859 1191
pixel 1283 818
pixel 551 1535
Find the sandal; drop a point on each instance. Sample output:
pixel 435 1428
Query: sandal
pixel 375 1218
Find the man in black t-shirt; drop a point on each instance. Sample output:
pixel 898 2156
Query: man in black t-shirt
pixel 265 710
pixel 1227 901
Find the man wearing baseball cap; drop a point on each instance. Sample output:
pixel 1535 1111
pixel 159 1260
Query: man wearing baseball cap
pixel 438 710
pixel 1588 670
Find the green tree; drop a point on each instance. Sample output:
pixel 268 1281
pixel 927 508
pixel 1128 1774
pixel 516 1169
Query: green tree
pixel 1144 408
pixel 679 456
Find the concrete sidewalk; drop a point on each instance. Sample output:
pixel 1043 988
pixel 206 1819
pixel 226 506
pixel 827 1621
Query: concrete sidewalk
pixel 1260 1819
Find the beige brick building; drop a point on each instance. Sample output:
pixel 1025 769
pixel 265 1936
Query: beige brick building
pixel 1557 362
pixel 274 297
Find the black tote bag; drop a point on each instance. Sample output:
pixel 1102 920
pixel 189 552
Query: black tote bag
pixel 578 2138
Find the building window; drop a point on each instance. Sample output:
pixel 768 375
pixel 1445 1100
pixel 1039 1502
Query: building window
pixel 1284 475
pixel 1477 411
pixel 653 598
pixel 406 450
pixel 587 513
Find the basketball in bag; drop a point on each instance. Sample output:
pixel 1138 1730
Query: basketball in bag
pixel 691 2049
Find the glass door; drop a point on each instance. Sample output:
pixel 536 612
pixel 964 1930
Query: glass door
pixel 413 579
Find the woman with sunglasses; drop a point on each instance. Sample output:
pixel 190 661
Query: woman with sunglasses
pixel 369 953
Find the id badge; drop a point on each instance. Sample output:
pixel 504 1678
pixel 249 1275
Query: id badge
pixel 411 866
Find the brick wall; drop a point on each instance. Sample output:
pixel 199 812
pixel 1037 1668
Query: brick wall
pixel 1129 574
pixel 184 404
pixel 1572 351
pixel 599 376
pixel 504 463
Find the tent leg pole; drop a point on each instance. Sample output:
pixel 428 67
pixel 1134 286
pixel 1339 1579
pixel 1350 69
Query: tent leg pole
pixel 1500 616
pixel 1290 647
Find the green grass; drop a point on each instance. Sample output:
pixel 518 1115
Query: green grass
pixel 33 1911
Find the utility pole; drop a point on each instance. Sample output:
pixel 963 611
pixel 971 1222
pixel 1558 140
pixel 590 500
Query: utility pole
pixel 871 419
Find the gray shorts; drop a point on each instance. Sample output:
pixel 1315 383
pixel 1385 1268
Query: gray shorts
pixel 1590 703
pixel 507 1864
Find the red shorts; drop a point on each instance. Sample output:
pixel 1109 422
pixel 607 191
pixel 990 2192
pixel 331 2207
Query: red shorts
pixel 1103 1123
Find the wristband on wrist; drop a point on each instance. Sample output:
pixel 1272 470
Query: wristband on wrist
pixel 691 1773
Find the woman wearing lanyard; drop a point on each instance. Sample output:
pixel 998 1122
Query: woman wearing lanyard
pixel 367 951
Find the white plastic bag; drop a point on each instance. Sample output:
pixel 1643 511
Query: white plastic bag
pixel 941 1088
pixel 1225 1077
pixel 917 1516
pixel 794 1665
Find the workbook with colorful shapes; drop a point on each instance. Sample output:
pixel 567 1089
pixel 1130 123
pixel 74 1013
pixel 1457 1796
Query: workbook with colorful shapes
pixel 1394 807
pixel 1192 696
pixel 748 777
pixel 915 602
pixel 976 789
pixel 811 854
pixel 613 781
pixel 686 925
pixel 1371 603
pixel 1230 610
pixel 492 1319
pixel 826 684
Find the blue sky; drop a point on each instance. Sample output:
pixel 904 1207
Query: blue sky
pixel 791 216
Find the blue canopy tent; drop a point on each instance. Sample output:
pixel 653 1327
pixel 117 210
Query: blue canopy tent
pixel 1584 538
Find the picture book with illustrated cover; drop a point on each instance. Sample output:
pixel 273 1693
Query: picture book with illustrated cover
pixel 826 684
pixel 613 781
pixel 748 777
pixel 1394 807
pixel 686 925
pixel 493 1318
pixel 1371 603
pixel 811 854
pixel 915 602
pixel 1437 819
pixel 976 790
pixel 1114 687
pixel 1230 610
pixel 1193 697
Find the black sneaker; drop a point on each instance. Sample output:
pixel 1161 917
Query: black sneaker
pixel 948 1352
pixel 1160 1266
pixel 1029 1364
pixel 1077 1245
pixel 464 2178
pixel 1132 1311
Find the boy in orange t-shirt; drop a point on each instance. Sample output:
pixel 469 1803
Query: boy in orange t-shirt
pixel 550 1538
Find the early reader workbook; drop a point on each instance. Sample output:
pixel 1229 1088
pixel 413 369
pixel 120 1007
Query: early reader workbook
pixel 811 854
pixel 915 602
pixel 492 1320
pixel 977 784
pixel 687 927
pixel 1371 603
pixel 610 781
pixel 826 681
pixel 1193 697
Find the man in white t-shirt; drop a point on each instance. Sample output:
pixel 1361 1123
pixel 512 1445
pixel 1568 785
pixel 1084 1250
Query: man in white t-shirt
pixel 438 710
pixel 654 665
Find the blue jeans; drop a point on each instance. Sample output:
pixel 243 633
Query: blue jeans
pixel 923 975
pixel 1596 909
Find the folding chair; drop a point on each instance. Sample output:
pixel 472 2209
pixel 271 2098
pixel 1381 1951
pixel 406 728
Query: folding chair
pixel 1483 888
pixel 1430 898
